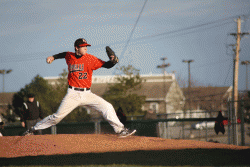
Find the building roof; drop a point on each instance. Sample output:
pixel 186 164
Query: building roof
pixel 207 98
pixel 153 90
pixel 197 93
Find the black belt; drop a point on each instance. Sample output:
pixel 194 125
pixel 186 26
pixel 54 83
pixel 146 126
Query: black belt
pixel 79 89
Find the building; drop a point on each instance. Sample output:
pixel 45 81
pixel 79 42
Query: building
pixel 163 95
pixel 162 92
pixel 210 100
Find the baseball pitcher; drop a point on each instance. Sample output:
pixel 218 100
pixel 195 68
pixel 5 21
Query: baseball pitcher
pixel 80 70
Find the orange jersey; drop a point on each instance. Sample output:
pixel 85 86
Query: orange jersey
pixel 81 69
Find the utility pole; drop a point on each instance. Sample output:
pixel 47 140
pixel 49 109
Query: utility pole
pixel 163 125
pixel 246 63
pixel 4 72
pixel 236 72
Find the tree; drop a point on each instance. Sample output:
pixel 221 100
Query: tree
pixel 120 94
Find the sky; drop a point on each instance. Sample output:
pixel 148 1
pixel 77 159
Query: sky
pixel 141 32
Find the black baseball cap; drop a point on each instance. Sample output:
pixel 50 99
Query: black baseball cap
pixel 31 95
pixel 81 42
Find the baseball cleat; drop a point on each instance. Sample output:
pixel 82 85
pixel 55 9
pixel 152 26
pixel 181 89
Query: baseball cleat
pixel 126 132
pixel 29 132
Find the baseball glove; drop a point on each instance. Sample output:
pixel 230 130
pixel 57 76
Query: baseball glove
pixel 110 53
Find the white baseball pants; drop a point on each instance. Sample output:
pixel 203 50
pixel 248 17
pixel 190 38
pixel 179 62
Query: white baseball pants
pixel 76 98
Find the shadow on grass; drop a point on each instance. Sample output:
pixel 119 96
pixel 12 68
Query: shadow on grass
pixel 194 157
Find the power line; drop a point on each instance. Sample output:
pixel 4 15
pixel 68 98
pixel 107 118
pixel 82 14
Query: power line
pixel 166 33
pixel 207 64
pixel 188 28
pixel 125 48
pixel 17 58
pixel 195 31
pixel 21 58
pixel 228 74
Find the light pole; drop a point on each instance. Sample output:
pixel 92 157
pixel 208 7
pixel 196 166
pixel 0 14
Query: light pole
pixel 4 72
pixel 189 79
pixel 246 63
pixel 189 75
pixel 189 85
pixel 163 66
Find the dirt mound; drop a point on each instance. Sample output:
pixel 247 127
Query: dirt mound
pixel 20 146
pixel 90 149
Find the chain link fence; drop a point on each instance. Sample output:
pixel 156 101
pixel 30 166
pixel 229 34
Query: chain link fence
pixel 169 126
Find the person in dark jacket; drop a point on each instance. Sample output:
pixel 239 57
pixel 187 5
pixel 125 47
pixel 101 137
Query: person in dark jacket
pixel 219 126
pixel 31 113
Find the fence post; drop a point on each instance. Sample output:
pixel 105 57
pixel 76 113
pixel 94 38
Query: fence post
pixel 97 127
pixel 206 130
pixel 159 129
pixel 53 130
pixel 183 133
pixel 165 129
pixel 229 122
pixel 242 124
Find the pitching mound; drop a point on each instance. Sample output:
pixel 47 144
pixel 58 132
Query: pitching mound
pixel 80 149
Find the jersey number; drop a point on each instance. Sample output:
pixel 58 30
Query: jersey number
pixel 82 75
